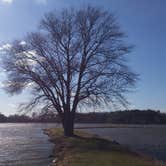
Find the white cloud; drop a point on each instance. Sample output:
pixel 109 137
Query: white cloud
pixel 7 1
pixel 23 43
pixel 2 85
pixel 5 47
pixel 11 1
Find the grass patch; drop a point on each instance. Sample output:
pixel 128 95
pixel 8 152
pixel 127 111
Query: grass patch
pixel 90 150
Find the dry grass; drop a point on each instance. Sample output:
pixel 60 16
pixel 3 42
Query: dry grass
pixel 90 150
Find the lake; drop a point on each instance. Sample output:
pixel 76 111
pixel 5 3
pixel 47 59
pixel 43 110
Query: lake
pixel 147 139
pixel 26 145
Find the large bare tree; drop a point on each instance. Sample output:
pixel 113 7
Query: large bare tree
pixel 76 58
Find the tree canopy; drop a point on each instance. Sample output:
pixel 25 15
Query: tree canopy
pixel 76 58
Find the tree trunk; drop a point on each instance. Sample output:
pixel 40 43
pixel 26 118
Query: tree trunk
pixel 68 124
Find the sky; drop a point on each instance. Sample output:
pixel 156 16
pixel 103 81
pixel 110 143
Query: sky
pixel 142 20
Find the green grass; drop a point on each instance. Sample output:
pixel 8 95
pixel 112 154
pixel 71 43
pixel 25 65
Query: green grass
pixel 90 150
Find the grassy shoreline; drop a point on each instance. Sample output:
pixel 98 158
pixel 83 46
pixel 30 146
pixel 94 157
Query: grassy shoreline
pixel 91 150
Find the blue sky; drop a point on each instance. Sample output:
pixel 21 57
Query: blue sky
pixel 143 21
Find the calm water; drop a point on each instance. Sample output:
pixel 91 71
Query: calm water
pixel 26 145
pixel 149 140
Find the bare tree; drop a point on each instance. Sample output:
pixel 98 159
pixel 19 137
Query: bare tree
pixel 77 57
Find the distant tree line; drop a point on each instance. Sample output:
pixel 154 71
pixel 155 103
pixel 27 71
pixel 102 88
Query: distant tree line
pixel 118 117
pixel 137 117
pixel 41 117
pixel 123 117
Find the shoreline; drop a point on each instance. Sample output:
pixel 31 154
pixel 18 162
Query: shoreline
pixel 86 144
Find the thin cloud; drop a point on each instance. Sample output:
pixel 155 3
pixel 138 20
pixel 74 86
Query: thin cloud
pixel 7 1
pixel 22 43
pixel 5 47
pixel 11 1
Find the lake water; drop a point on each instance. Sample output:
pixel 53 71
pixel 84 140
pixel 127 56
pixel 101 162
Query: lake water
pixel 147 139
pixel 26 145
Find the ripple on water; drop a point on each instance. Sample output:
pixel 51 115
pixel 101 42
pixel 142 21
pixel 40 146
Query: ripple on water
pixel 24 145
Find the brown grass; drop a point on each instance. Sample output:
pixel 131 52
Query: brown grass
pixel 90 150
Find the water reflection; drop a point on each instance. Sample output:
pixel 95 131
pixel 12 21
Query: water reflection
pixel 24 144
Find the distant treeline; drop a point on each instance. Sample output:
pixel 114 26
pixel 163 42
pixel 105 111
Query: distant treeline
pixel 124 117
pixel 42 117
pixel 118 117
